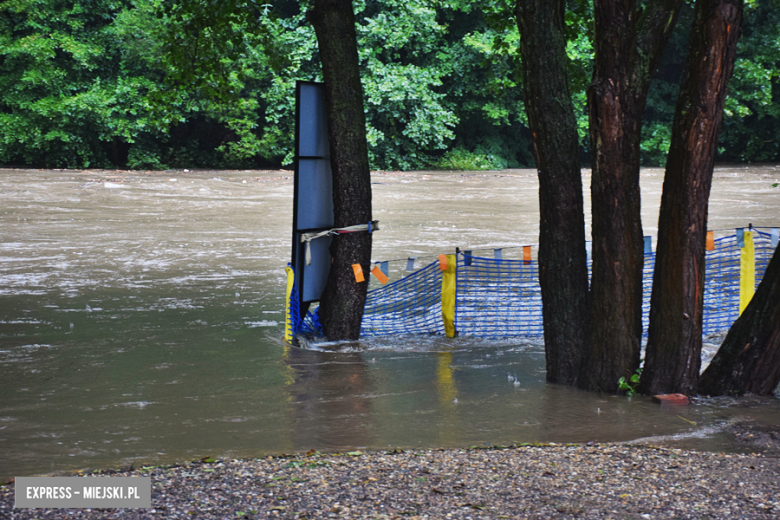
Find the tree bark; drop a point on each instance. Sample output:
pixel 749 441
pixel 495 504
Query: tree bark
pixel 749 359
pixel 673 355
pixel 627 48
pixel 563 271
pixel 341 307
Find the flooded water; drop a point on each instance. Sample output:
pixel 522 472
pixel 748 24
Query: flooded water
pixel 141 323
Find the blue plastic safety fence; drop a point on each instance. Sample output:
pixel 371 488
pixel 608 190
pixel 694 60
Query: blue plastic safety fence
pixel 647 288
pixel 311 323
pixel 721 285
pixel 307 324
pixel 412 305
pixel 498 297
pixel 295 310
pixel 764 251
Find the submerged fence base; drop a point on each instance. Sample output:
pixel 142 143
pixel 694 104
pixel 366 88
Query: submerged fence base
pixel 482 297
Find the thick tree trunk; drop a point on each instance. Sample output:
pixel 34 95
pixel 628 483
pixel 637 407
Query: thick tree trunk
pixel 341 308
pixel 749 359
pixel 616 281
pixel 627 49
pixel 673 356
pixel 563 272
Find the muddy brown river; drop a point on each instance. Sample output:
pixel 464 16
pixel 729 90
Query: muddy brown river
pixel 141 317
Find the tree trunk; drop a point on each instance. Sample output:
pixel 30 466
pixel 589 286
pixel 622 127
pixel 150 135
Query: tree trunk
pixel 673 357
pixel 341 308
pixel 563 272
pixel 627 48
pixel 749 359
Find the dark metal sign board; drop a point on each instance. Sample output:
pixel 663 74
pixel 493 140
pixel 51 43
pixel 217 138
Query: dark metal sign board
pixel 313 195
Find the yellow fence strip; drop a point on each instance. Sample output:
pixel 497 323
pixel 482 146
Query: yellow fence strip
pixel 289 334
pixel 448 288
pixel 747 272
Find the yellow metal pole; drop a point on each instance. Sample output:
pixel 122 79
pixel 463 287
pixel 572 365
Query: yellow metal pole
pixel 289 333
pixel 448 287
pixel 747 272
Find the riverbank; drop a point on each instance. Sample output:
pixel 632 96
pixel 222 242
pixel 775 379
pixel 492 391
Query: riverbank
pixel 563 481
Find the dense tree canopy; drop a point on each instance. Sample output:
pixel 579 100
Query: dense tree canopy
pixel 143 84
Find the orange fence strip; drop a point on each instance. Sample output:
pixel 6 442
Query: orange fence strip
pixel 710 241
pixel 443 262
pixel 358 273
pixel 376 271
pixel 526 253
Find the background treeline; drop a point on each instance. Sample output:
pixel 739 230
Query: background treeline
pixel 140 84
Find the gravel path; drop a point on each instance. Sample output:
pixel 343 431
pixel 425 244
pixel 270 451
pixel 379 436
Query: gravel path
pixel 578 481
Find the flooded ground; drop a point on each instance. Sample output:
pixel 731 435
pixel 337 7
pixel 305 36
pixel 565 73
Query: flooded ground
pixel 141 323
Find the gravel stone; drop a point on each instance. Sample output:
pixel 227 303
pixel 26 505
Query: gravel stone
pixel 609 481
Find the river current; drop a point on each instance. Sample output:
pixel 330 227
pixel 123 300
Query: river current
pixel 141 322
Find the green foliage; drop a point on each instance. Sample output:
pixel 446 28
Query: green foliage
pixel 461 159
pixel 629 385
pixel 662 95
pixel 54 100
pixel 197 83
pixel 399 42
pixel 751 122
pixel 483 85
pixel 579 48
pixel 752 113
pixel 144 159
